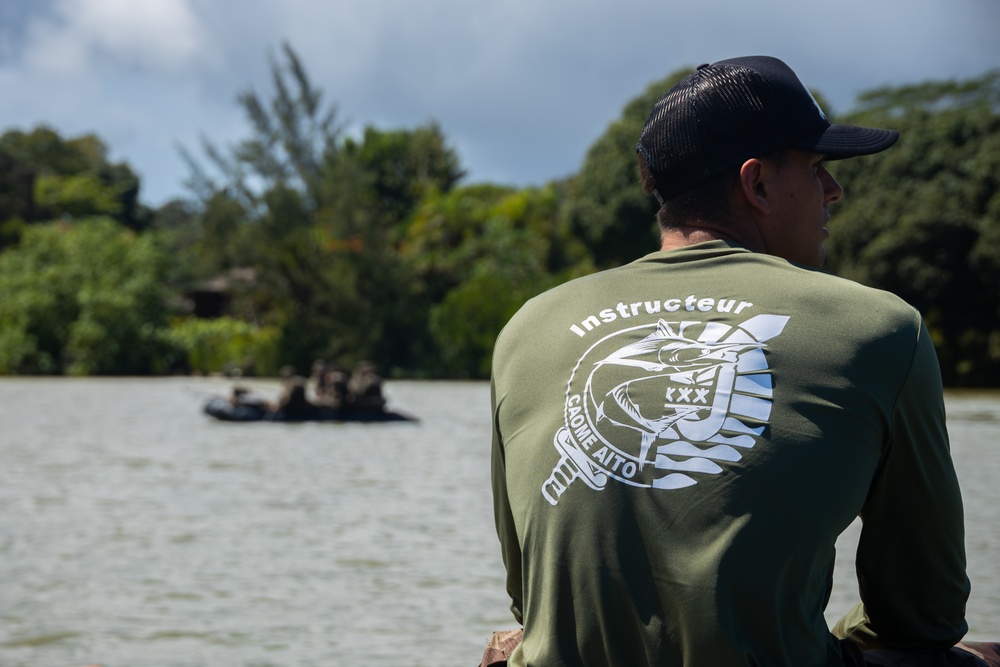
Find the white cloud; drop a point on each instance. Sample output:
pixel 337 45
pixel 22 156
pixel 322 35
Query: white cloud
pixel 521 87
pixel 150 35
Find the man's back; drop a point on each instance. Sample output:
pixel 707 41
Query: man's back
pixel 680 441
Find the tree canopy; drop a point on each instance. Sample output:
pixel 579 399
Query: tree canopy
pixel 45 177
pixel 321 215
pixel 83 299
pixel 922 220
pixel 305 240
pixel 606 206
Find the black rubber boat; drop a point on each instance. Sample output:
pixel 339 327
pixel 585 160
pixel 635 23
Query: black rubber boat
pixel 225 410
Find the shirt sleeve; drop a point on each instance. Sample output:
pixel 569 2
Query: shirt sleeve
pixel 911 562
pixel 510 547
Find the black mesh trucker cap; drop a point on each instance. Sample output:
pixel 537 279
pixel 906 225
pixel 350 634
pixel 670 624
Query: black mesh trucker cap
pixel 728 112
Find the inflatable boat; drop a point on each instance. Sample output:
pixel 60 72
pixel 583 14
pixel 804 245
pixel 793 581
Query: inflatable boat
pixel 224 409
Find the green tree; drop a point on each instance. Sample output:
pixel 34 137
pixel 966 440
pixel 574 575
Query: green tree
pixel 402 167
pixel 922 219
pixel 226 344
pixel 324 214
pixel 606 205
pixel 83 299
pixel 480 252
pixel 49 177
pixel 17 183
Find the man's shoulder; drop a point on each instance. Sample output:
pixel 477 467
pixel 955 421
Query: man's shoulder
pixel 856 295
pixel 680 284
pixel 552 305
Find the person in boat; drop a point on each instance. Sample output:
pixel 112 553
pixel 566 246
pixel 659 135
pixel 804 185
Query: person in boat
pixel 338 381
pixel 320 378
pixel 241 396
pixel 331 385
pixel 678 442
pixel 294 402
pixel 365 388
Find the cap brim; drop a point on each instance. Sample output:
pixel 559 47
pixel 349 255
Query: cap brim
pixel 843 141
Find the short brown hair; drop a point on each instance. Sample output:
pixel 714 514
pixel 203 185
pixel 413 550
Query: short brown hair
pixel 710 200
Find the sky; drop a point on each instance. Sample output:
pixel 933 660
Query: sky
pixel 520 88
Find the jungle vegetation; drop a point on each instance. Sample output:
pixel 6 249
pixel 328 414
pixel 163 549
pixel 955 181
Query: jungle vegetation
pixel 303 241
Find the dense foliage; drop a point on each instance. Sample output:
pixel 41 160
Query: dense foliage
pixel 304 241
pixel 479 252
pixel 607 208
pixel 922 220
pixel 84 298
pixel 43 176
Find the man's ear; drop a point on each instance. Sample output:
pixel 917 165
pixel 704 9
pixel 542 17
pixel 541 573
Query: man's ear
pixel 753 184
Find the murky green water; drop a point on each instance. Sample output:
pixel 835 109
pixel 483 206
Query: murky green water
pixel 137 532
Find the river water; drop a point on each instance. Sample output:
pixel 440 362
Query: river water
pixel 137 532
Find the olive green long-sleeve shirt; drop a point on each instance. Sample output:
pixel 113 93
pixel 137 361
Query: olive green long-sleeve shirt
pixel 677 445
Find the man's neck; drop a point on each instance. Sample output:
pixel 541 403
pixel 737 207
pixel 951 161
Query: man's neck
pixel 741 229
pixel 679 237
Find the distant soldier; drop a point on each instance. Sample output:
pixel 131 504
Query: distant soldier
pixel 365 387
pixel 320 376
pixel 242 396
pixel 337 380
pixel 293 401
